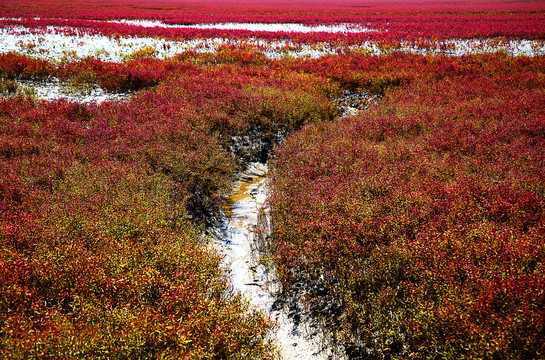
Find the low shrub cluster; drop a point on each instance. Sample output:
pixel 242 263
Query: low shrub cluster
pixel 424 217
pixel 136 73
pixel 98 255
pixel 17 66
pixel 102 208
pixel 378 73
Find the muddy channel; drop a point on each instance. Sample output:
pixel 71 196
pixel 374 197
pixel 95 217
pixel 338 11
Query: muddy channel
pixel 245 217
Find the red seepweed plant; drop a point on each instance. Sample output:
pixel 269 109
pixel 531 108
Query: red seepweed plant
pixel 390 24
pixel 423 218
pixel 421 221
pixel 103 205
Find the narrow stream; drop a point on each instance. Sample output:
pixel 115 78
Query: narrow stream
pixel 235 241
pixel 298 335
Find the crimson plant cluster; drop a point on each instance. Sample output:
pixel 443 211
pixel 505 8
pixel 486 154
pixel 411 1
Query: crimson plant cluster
pixel 390 23
pixel 425 216
pixel 102 207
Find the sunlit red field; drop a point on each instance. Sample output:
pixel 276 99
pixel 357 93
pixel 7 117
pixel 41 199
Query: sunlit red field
pixel 406 142
pixel 377 27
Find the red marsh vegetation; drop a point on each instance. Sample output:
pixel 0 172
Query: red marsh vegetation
pixel 421 220
pixel 100 206
pixel 424 218
pixel 393 22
